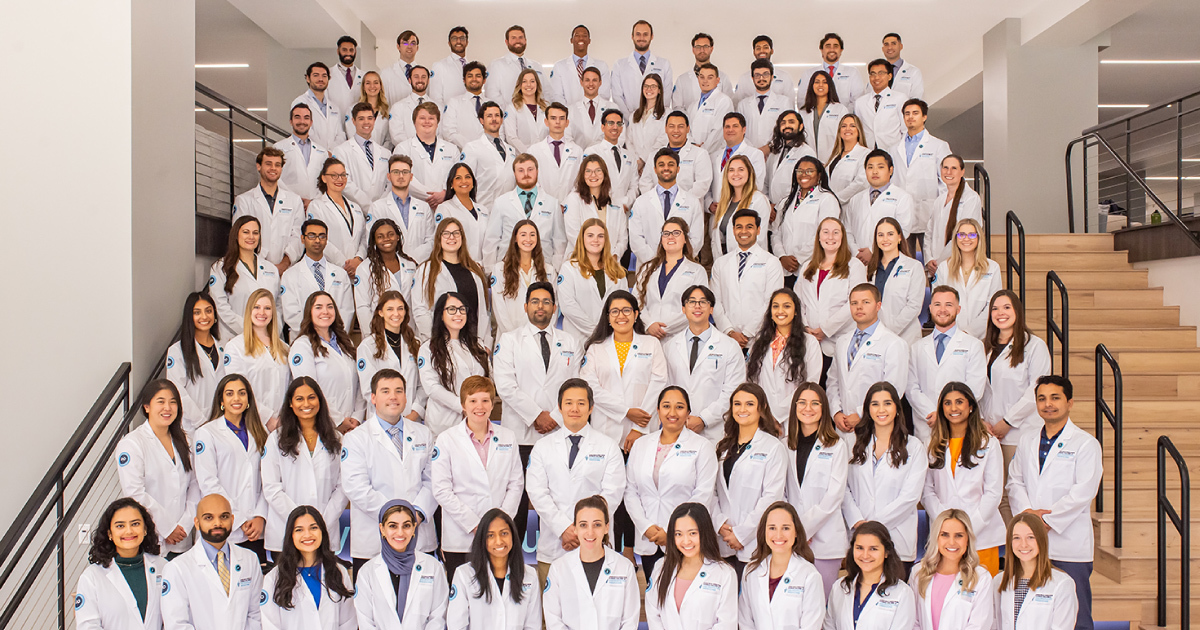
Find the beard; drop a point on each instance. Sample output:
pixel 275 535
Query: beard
pixel 215 535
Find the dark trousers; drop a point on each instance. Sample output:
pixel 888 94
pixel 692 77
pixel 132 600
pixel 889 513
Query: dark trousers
pixel 358 564
pixel 452 560
pixel 648 563
pixel 738 566
pixel 1081 572
pixel 826 363
pixel 259 550
pixel 521 519
pixel 622 530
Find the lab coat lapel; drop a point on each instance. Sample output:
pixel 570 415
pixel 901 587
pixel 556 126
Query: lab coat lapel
pixel 113 573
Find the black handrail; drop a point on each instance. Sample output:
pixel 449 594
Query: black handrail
pixel 263 127
pixel 1181 520
pixel 983 186
pixel 1053 330
pixel 1113 416
pixel 1011 221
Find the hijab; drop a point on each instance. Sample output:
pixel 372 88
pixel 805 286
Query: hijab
pixel 399 563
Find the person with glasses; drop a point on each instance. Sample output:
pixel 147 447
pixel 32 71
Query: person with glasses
pixel 781 83
pixel 673 268
pixel 786 143
pixel 764 107
pixel 686 90
pixel 314 272
pixel 411 215
pixel 454 353
pixel 970 272
pixel 445 76
pixel 460 115
pixel 450 268
pixel 809 202
pixel 621 162
pixel 526 201
pixel 704 361
pixel 490 157
pixel 881 109
pixel 666 201
pixel 565 83
pixel 344 219
pixel 587 108
pixel 395 77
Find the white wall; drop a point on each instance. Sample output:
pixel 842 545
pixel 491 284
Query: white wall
pixel 1177 277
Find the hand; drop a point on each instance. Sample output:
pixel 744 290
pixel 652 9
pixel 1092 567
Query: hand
pixel 436 198
pixel 658 330
pixel 641 165
pixel 284 264
pixel 1040 514
pixel 931 418
pixel 544 423
pixel 351 265
pixel 637 416
pixel 272 424
pixel 695 423
pixel 630 439
pixel 253 528
pixel 839 419
pixel 790 264
pixel 857 524
pixel 815 332
pixel 1000 429
pixel 772 219
pixel 569 540
pixel 863 255
pixel 729 537
pixel 414 416
pixel 420 517
pixel 931 267
pixel 739 337
pixel 656 535
pixel 712 207
pixel 176 536
pixel 348 425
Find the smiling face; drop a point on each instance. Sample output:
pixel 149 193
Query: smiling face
pixel 127 530
pixel 957 408
pixel 419 80
pixel 529 86
pixel 809 409
pixel 234 398
pixel 527 238
pixel 673 411
pixel 575 408
pixel 203 316
pixel 594 239
pixel 806 175
pixel 642 36
pixel 820 85
pixel 1004 314
pixel 783 310
pixel 387 239
pixel 580 40
pixel 667 169
pixel 454 316
pixel 745 409
pixel 398 530
pixel 745 232
pixel 879 77
pixel 347 53
pixel 831 51
pixel 737 173
pixel 622 316
pixel 892 48
pixel 887 237
pixel 451 238
pixel 830 233
pixel 335 178
pixel 272 166
pixel 305 403
pixel 478 408
pixel 389 399
pixel 372 85
pixel 677 130
pixel 394 313
pixel 687 536
pixel 1024 543
pixel 952 172
pixel 463 182
pixel 499 540
pixel 162 410
pixel 762 78
pixel 781 531
pixel 967 238
pixel 591 525
pixel 650 90
pixel 324 314
pixel 306 534
pixel 590 82
pixel 868 553
pixel 883 412
pixel 733 131
pixel 515 41
pixel 262 312
pixel 952 540
pixel 671 239
pixel 697 309
pixel 943 309
pixel 848 132
pixel 1053 404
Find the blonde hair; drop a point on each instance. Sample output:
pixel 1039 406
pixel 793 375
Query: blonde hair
pixel 748 190
pixel 254 347
pixel 954 265
pixel 966 565
pixel 518 99
pixel 839 149
pixel 612 267
pixel 382 106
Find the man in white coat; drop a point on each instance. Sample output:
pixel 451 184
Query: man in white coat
pixel 707 114
pixel 303 158
pixel 587 111
pixel 743 280
pixel 411 215
pixel 869 354
pixel 215 585
pixel 400 122
pixel 396 86
pixel 503 72
pixel 365 161
pixel 345 78
pixel 432 157
pixel 734 132
pixel 490 157
pixel 526 201
pixel 695 165
pixel 621 162
pixel 327 129
pixel 882 198
pixel 846 79
pixel 557 157
pixel 313 273
pixel 906 78
pixel 1055 475
pixel 460 117
pixel 762 107
pixel 686 91
pixel 880 108
pixel 781 84
pixel 666 200
pixel 279 211
pixel 918 160
pixel 949 354
pixel 566 77
pixel 445 77
pixel 706 362
pixel 628 72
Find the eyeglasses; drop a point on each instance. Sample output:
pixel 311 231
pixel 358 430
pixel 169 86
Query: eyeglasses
pixel 808 172
pixel 695 303
pixel 456 310
pixel 540 302
pixel 762 75
pixel 399 172
pixel 702 46
pixel 615 123
pixel 452 233
pixel 968 235
pixel 315 237
pixel 458 38
pixel 672 233
pixel 593 172
pixel 878 74
pixel 336 175
pixel 410 43
pixel 627 311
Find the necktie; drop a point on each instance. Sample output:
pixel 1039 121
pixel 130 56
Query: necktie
pixel 695 353
pixel 370 158
pixel 500 148
pixel 394 433
pixel 476 106
pixel 527 196
pixel 762 102
pixel 666 204
pixel 617 157
pixel 349 83
pixel 319 275
pixel 742 258
pixel 877 99
pixel 574 449
pixel 592 110
pixel 941 345
pixel 831 72
pixel 642 63
pixel 545 349
pixel 420 100
pixel 462 61
pixel 557 155
pixel 874 195
pixel 408 71
pixel 859 335
pixel 728 152
pixel 223 570
pixel 579 68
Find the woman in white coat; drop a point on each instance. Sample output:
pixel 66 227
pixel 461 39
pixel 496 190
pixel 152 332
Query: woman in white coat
pixel 119 588
pixel 523 264
pixel 401 588
pixel 818 465
pixel 662 280
pixel 887 472
pixel 1049 601
pixel 821 110
pixel 847 164
pixel 781 590
pixel 240 273
pixel 389 342
pixel 301 464
pixel 525 114
pixel 588 280
pixel 450 267
pixel 194 361
pixel 452 355
pixel 386 268
pixel 460 204
pixel 647 132
pixel 753 472
pixel 345 220
pixel 592 587
pixel 325 352
pixel 958 202
pixel 670 467
pixel 308 589
pixel 824 287
pixel 899 279
pixel 951 580
pixel 372 93
pixel 692 572
pixel 229 451
pixel 966 471
pixel 495 589
pixel 783 355
pixel 798 215
pixel 592 199
pixel 873 595
pixel 154 467
pixel 975 276
pixel 468 483
pixel 738 190
pixel 261 356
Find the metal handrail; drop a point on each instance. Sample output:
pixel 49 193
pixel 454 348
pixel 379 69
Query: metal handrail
pixel 1139 113
pixel 1113 416
pixel 1181 520
pixel 983 186
pixel 1053 330
pixel 234 107
pixel 1011 221
pixel 263 127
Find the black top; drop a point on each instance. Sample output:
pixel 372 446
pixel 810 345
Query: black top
pixel 592 571
pixel 394 340
pixel 499 583
pixel 803 449
pixel 464 282
pixel 731 459
pixel 211 351
pixel 599 277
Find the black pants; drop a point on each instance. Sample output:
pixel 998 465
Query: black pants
pixel 521 519
pixel 738 566
pixel 358 565
pixel 909 421
pixel 826 363
pixel 452 560
pixel 622 530
pixel 649 561
pixel 259 550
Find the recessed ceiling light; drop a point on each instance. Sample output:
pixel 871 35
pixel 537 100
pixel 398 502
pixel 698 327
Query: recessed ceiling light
pixel 211 66
pixel 1150 61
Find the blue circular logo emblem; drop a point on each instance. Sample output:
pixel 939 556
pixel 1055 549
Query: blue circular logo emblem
pixel 78 601
pixel 166 587
pixel 227 360
pixel 296 360
pixel 362 364
pixel 199 447
pixel 345 453
pixel 436 452
pixel 453 592
pixel 123 460
pixel 262 598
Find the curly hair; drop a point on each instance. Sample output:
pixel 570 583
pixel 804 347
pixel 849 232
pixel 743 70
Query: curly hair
pixel 103 549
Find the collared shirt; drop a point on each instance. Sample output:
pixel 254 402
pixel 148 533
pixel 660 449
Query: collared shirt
pixel 240 432
pixel 531 194
pixel 910 144
pixel 896 66
pixel 211 552
pixel 320 102
pixel 481 447
pixel 674 190
pixel 704 96
pixel 402 205
pixel 575 60
pixel 880 191
pixel 305 147
pixel 270 198
pixel 584 433
pixel 360 140
pixel 643 58
pixel 312 264
pixel 388 427
pixel 883 273
pixel 868 331
pixel 704 336
pixel 429 148
pixel 1045 444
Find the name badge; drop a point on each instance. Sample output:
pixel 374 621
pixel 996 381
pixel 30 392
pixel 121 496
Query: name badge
pixel 285 211
pixel 685 163
pixel 503 448
pixel 757 265
pixel 446 158
pixel 887 604
pixel 903 272
pixel 890 106
pixel 544 213
pixel 825 455
pixel 1066 454
pixel 688 453
pixel 419 448
pixel 960 352
pixel 757 457
pixel 566 353
pixel 793 590
pixel 244 582
pixel 426 579
pixel 926 155
pixel 572 158
pixel 594 457
pixel 1043 598
pixel 616 580
pixel 873 356
pixel 643 355
pixel 710 587
pixel 967 596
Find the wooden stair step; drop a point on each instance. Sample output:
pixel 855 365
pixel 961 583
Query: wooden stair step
pixel 1069 261
pixel 1160 316
pixel 1134 360
pixel 1086 336
pixel 1107 279
pixel 1051 242
pixel 1144 297
pixel 1164 385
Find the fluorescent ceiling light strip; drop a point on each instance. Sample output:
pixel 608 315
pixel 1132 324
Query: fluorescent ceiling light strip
pixel 1123 106
pixel 1186 178
pixel 213 66
pixel 1128 62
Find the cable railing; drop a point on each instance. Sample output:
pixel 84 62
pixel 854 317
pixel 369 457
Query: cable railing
pixel 1181 521
pixel 1111 415
pixel 1053 329
pixel 235 124
pixel 1017 264
pixel 983 186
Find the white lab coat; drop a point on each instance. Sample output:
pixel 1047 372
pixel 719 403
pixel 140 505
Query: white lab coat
pixel 194 599
pixel 493 174
pixel 369 366
pixel 773 377
pixel 556 177
pixel 707 119
pixel 904 295
pixel 416 236
pixel 666 306
pixel 828 306
pixel 468 610
pixel 503 72
pixel 279 225
pixel 720 368
pixel 568 603
pixel 443 409
pixel 695 169
pixel 158 481
pixel 460 119
pixel 894 609
pixel 617 390
pixel 373 473
pixel 711 598
pixel 888 494
pixel 974 295
pixel 231 307
pixel 510 311
pixel 796 231
pixel 1066 486
pixel 336 373
pixel 347 237
pixel 424 608
pixel 623 175
pixel 922 176
pixel 429 174
pixel 422 310
pixel 366 297
pixel 344 96
pixel 1010 394
pixel 299 176
pixel 686 91
pixel 884 127
pixel 400 117
pixel 380 134
pixel 575 212
pixel 646 137
pixel 196 396
pixel 781 169
pixel 104 601
pixel 969 207
pixel 466 488
pixel 523 128
pixel 563 84
pixel 963 360
pixel 368 178
pixel 225 467
pixel 524 383
pixel 290 481
pixel 723 241
pixel 862 216
pixel 781 84
pixel 882 357
pixel 824 137
pixel 554 487
pixel 473 226
pixel 580 302
pixel 327 129
pixel 798 604
pixel 757 161
pixel 395 81
pixel 1054 606
pixel 819 499
pixel 742 301
pixel 758 480
pixel 847 80
pixel 584 130
pixel 908 79
pixel 298 283
pixel 334 612
pixel 848 176
pixel 269 377
pixel 627 79
pixel 977 491
pixel 446 78
pixel 968 610
pixel 509 209
pixel 646 222
pixel 688 474
pixel 760 125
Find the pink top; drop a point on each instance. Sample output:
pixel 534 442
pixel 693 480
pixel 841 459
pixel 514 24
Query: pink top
pixel 660 456
pixel 480 447
pixel 938 590
pixel 681 587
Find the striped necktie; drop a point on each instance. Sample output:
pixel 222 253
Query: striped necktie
pixel 394 432
pixel 319 275
pixel 579 68
pixel 223 570
pixel 742 258
pixel 370 157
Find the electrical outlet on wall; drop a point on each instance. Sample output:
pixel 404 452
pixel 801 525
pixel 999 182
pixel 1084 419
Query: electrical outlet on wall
pixel 85 533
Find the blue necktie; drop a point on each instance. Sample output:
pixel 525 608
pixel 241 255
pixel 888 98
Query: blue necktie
pixel 527 196
pixel 477 106
pixel 742 258
pixel 370 157
pixel 941 345
pixel 762 101
pixel 397 435
pixel 859 335
pixel 667 211
pixel 642 63
pixel 574 449
pixel 319 275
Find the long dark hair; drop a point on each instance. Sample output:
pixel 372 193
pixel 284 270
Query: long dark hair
pixel 329 163
pixel 793 351
pixel 585 192
pixel 977 436
pixel 289 424
pixel 660 257
pixel 893 568
pixel 187 333
pixel 766 421
pixel 876 262
pixel 251 419
pixel 287 565
pixel 778 144
pixel 826 431
pixel 710 549
pixel 379 271
pixel 952 222
pixel 897 446
pixel 337 330
pixel 799 546
pixel 604 329
pixel 512 261
pixel 439 350
pixel 103 549
pixel 450 184
pixel 436 256
pixel 481 563
pixel 659 107
pixel 178 437
pixel 1020 335
pixel 378 330
pixel 810 96
pixel 233 251
pixel 822 182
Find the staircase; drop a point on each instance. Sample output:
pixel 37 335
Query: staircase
pixel 1111 303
